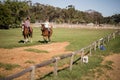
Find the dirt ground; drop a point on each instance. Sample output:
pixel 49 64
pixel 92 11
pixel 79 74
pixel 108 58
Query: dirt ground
pixel 20 56
pixel 114 72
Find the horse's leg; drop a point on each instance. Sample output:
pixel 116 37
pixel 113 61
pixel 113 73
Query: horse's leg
pixel 26 35
pixel 27 39
pixel 24 39
pixel 31 37
pixel 49 38
pixel 30 34
pixel 45 39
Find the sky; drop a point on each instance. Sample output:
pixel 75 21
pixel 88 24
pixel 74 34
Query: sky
pixel 105 7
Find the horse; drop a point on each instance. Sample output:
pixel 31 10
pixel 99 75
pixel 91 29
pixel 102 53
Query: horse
pixel 46 33
pixel 27 33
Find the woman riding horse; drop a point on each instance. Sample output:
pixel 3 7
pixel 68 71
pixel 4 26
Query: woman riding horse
pixel 27 30
pixel 46 29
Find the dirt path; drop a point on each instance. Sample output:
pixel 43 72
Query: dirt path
pixel 20 56
pixel 109 69
pixel 114 72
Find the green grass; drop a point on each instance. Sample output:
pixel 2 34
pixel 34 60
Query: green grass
pixel 36 50
pixel 8 66
pixel 30 62
pixel 13 38
pixel 79 69
pixel 109 63
pixel 87 71
pixel 78 38
pixel 110 48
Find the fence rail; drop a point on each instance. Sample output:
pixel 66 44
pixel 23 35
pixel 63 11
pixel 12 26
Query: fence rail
pixel 54 60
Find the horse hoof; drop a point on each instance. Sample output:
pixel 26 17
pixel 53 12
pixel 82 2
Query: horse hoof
pixel 49 42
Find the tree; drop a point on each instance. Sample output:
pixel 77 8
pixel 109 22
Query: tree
pixel 5 17
pixel 70 13
pixel 114 19
pixel 12 12
pixel 94 16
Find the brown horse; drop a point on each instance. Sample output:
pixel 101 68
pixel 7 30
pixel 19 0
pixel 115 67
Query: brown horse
pixel 46 33
pixel 27 32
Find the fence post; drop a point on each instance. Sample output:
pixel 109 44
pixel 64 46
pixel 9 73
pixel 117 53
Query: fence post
pixel 56 65
pixel 71 61
pixel 113 35
pixel 82 54
pixel 95 46
pixel 103 41
pixel 33 73
pixel 90 50
pixel 108 38
pixel 99 42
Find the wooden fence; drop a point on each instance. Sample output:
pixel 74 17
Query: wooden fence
pixel 55 60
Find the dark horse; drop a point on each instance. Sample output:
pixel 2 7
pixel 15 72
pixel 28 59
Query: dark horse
pixel 27 32
pixel 46 33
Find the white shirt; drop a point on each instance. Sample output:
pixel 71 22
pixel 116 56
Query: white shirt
pixel 47 25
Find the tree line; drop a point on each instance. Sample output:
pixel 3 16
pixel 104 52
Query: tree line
pixel 13 12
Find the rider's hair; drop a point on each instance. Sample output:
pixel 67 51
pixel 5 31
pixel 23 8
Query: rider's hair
pixel 27 18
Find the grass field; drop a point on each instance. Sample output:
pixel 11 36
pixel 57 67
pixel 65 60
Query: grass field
pixel 78 38
pixel 88 71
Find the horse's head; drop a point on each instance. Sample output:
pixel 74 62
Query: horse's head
pixel 42 27
pixel 24 27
